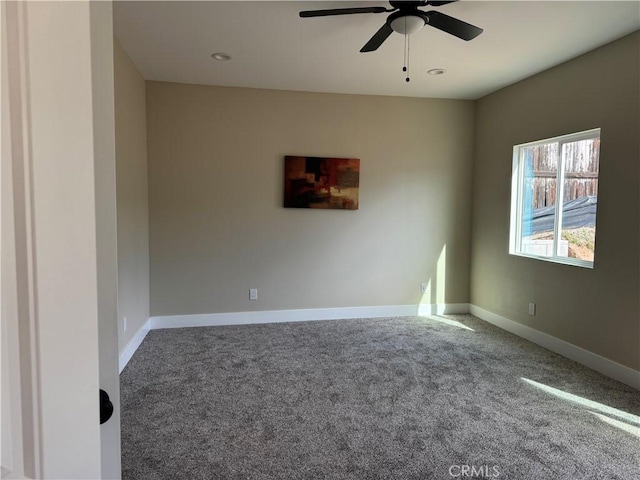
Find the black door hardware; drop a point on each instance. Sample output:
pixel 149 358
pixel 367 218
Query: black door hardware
pixel 106 407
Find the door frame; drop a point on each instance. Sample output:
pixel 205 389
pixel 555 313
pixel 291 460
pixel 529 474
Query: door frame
pixel 59 260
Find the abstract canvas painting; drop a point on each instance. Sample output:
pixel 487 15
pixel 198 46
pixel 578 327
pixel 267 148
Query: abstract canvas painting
pixel 316 182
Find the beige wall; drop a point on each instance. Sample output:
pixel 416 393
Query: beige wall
pixel 595 309
pixel 132 196
pixel 218 228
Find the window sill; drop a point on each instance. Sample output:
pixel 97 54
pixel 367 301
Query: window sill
pixel 574 262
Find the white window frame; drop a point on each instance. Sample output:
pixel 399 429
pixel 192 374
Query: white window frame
pixel 517 199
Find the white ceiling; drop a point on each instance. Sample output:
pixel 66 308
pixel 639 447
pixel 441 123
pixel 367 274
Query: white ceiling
pixel 275 49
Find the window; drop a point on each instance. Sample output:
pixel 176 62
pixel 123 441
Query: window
pixel 554 197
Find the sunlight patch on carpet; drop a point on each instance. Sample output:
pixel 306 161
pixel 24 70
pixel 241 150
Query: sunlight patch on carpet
pixel 447 321
pixel 629 417
pixel 618 424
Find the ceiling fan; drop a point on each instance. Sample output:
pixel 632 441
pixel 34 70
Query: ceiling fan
pixel 406 19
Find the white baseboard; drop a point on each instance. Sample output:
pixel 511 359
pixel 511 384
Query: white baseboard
pixel 303 315
pixel 133 345
pixel 607 367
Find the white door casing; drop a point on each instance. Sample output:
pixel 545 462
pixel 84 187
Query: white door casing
pixel 58 240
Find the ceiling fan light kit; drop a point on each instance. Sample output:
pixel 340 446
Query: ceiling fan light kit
pixel 407 24
pixel 406 19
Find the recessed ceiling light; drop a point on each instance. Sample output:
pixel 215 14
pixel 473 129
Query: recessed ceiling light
pixel 437 71
pixel 223 57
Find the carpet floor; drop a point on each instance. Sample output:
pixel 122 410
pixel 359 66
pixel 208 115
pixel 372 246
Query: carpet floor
pixel 392 398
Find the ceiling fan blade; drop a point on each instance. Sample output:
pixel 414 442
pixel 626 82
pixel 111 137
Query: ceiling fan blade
pixel 451 25
pixel 441 3
pixel 341 11
pixel 378 38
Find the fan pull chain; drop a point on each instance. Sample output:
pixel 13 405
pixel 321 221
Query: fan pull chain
pixel 408 51
pixel 405 68
pixel 404 51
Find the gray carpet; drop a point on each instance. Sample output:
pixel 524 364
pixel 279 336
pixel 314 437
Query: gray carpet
pixel 394 398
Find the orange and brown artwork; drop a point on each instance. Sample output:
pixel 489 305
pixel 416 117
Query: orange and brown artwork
pixel 315 182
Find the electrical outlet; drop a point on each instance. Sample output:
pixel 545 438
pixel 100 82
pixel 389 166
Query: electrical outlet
pixel 532 309
pixel 423 288
pixel 253 294
pixel 124 323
